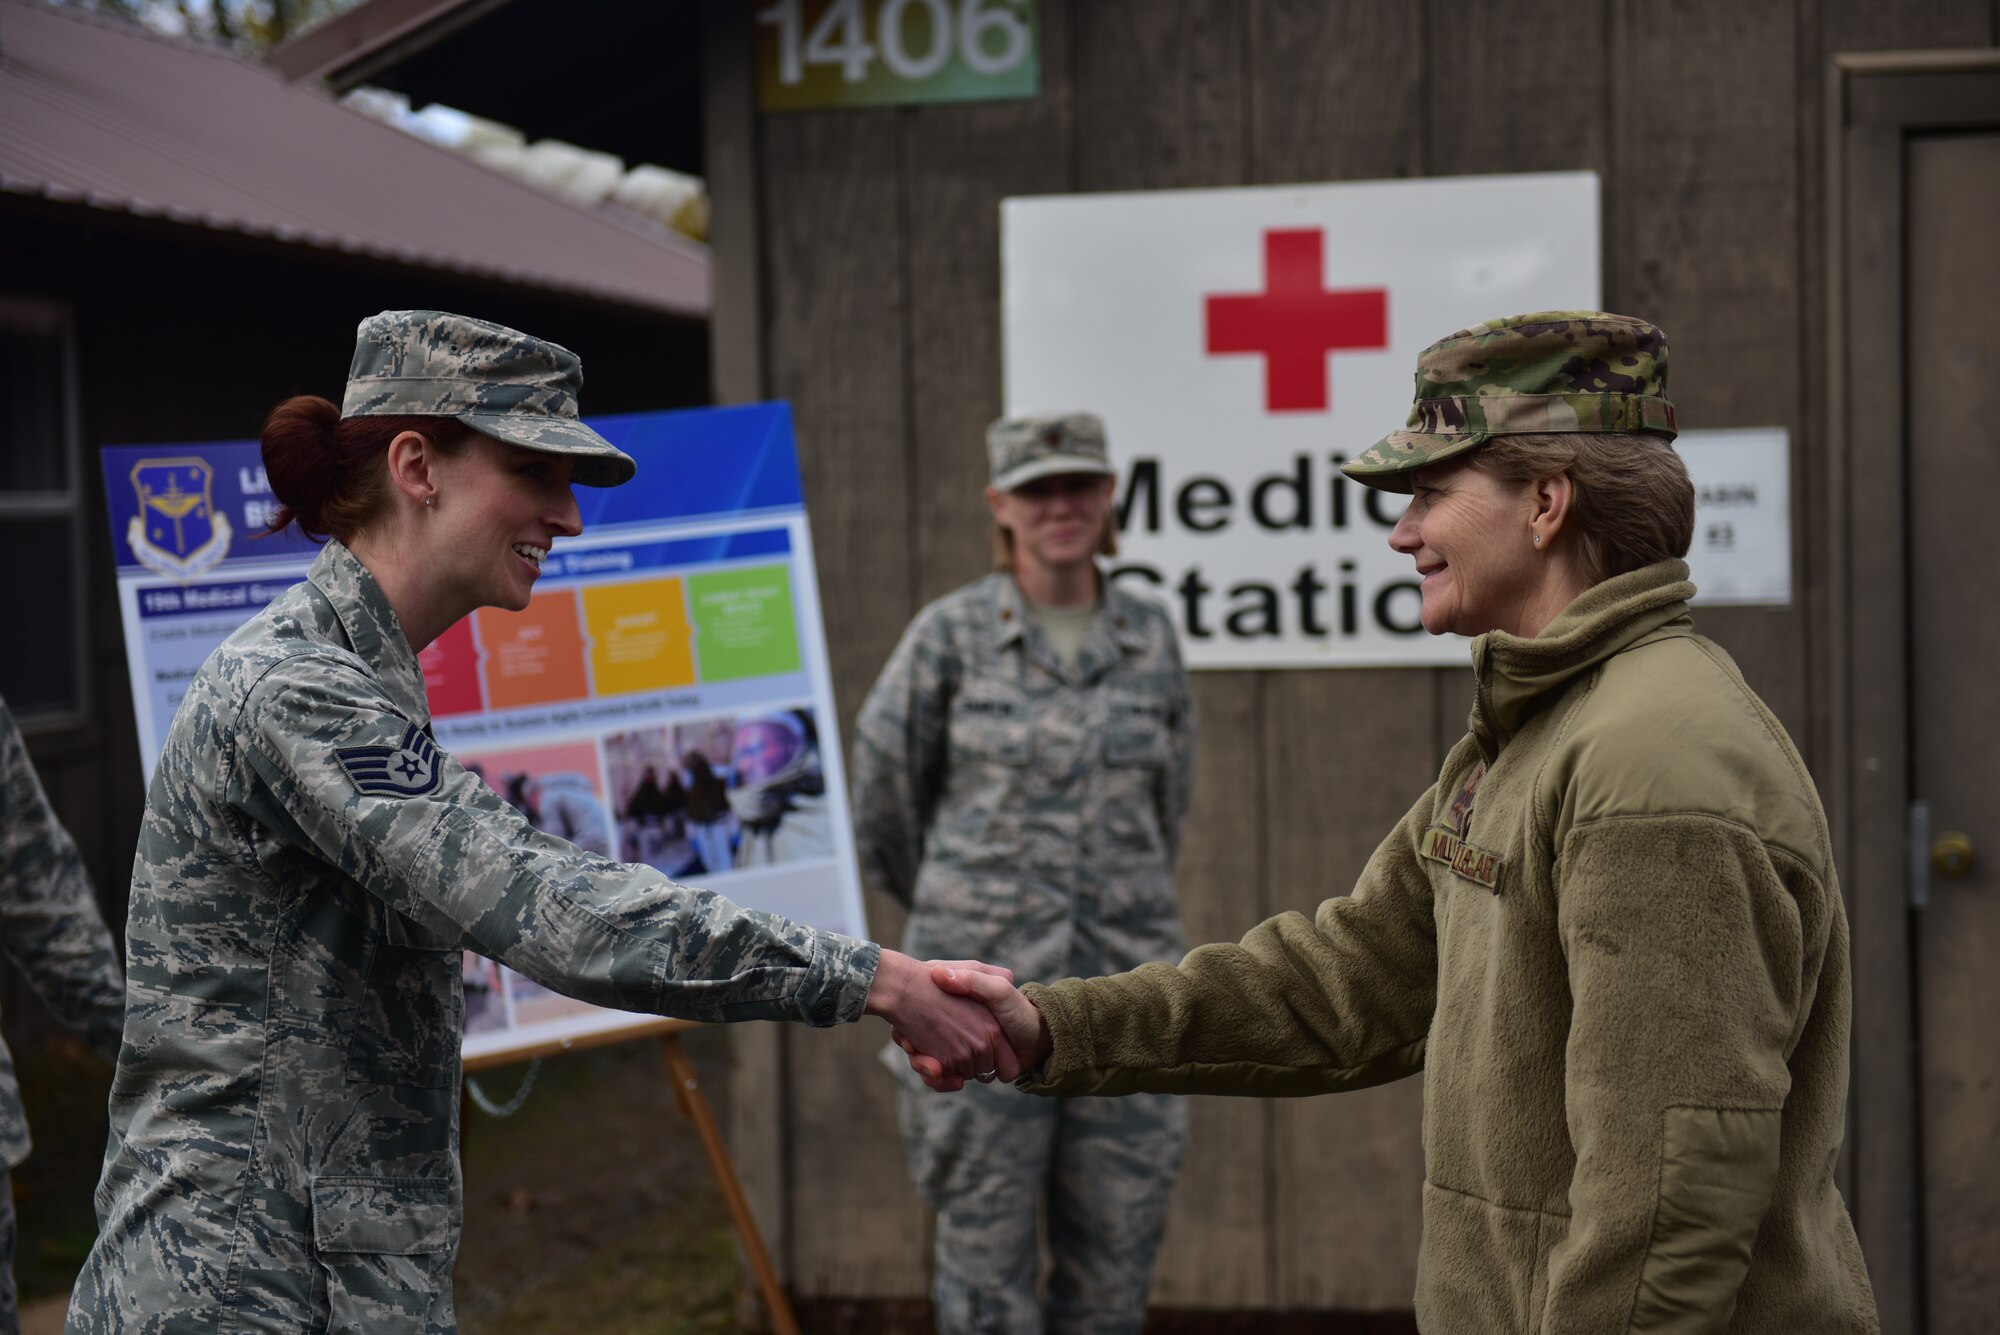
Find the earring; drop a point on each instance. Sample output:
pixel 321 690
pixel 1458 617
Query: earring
pixel 1538 540
pixel 432 500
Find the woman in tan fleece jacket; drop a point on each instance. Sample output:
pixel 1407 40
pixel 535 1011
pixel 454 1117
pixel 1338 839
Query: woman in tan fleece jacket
pixel 1610 934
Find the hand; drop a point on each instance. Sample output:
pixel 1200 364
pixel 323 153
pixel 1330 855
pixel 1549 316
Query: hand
pixel 958 1039
pixel 1027 1032
pixel 927 1067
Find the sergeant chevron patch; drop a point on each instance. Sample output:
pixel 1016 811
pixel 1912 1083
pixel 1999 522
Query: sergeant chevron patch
pixel 409 770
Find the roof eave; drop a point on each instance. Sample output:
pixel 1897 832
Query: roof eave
pixel 143 214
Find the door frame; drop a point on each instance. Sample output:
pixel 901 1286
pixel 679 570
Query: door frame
pixel 1875 103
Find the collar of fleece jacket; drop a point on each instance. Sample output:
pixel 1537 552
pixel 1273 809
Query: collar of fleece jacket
pixel 1515 675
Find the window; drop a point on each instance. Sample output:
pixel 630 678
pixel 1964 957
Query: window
pixel 43 664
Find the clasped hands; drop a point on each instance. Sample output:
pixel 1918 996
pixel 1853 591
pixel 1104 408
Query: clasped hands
pixel 958 1020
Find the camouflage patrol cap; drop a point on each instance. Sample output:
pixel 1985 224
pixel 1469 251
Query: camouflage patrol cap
pixel 499 381
pixel 1553 371
pixel 1022 449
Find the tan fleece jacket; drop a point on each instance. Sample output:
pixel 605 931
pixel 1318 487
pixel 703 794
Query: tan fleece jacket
pixel 1612 937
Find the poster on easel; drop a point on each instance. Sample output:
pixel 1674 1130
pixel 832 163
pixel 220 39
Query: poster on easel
pixel 665 697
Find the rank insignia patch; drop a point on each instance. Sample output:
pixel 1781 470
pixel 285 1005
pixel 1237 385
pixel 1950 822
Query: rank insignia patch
pixel 408 770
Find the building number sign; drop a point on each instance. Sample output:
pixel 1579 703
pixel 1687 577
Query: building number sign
pixel 844 53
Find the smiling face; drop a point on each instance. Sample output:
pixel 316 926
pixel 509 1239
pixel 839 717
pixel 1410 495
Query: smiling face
pixel 499 508
pixel 1470 536
pixel 1057 521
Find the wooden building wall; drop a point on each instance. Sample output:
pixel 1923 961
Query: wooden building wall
pixel 857 275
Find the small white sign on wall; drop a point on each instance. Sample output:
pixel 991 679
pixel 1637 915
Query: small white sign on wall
pixel 1742 549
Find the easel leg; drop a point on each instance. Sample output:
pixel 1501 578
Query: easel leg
pixel 687 1093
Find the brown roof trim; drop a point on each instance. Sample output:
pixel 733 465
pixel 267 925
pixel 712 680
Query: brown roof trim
pixel 160 226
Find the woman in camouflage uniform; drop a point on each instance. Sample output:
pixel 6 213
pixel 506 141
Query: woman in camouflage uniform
pixel 1610 935
pixel 1021 771
pixel 284 1144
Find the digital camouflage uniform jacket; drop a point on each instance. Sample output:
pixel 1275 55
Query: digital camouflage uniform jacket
pixel 1028 812
pixel 283 1152
pixel 1612 939
pixel 49 926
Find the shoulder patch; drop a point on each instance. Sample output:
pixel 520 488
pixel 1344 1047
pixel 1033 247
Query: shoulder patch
pixel 408 770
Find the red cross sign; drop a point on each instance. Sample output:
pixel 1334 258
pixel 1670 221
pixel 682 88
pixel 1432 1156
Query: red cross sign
pixel 1294 322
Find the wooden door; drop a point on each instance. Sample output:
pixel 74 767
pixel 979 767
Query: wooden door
pixel 1910 638
pixel 1909 644
pixel 1953 443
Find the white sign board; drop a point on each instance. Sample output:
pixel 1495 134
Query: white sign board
pixel 1742 549
pixel 1241 344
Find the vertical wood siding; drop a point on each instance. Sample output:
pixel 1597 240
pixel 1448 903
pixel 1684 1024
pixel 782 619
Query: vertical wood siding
pixel 875 235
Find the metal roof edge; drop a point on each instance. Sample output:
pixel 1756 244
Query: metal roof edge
pixel 140 211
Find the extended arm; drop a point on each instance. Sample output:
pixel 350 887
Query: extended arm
pixel 452 855
pixel 1297 1007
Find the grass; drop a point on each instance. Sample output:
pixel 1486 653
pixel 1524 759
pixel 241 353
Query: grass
pixel 594 1208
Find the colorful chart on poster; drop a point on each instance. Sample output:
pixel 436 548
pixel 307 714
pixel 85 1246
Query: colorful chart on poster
pixel 663 699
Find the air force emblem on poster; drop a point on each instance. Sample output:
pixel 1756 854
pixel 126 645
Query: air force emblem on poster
pixel 178 532
pixel 408 770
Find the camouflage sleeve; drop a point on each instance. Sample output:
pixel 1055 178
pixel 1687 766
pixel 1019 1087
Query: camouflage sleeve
pixel 1177 779
pixel 49 920
pixel 899 757
pixel 334 769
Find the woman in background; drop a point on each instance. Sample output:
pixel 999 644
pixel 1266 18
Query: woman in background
pixel 1021 773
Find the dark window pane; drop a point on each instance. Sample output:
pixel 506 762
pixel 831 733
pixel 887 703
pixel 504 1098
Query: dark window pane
pixel 38 663
pixel 32 448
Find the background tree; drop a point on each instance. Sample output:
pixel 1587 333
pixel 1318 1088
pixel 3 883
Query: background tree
pixel 252 26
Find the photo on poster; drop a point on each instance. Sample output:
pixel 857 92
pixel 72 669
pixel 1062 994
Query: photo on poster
pixel 529 1004
pixel 702 799
pixel 558 788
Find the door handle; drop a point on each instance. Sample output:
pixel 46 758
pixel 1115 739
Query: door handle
pixel 1951 855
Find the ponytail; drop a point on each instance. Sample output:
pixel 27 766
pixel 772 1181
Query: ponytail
pixel 302 463
pixel 330 474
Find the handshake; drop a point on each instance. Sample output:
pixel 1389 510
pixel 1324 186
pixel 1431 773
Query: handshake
pixel 958 1020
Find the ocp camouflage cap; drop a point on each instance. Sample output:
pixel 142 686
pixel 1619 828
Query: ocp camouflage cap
pixel 1552 371
pixel 507 384
pixel 1022 449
